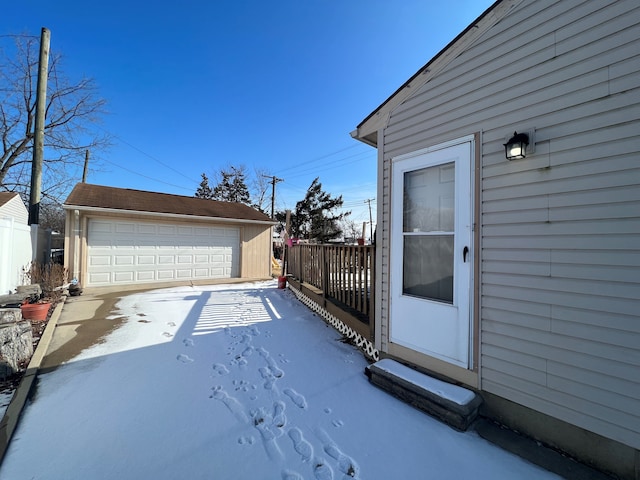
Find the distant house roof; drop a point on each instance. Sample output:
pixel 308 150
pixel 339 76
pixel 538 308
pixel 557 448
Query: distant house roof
pixel 86 196
pixel 5 197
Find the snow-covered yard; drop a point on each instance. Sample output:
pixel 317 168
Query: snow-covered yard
pixel 233 382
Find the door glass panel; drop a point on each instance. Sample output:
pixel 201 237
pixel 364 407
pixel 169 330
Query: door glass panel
pixel 428 267
pixel 428 231
pixel 428 203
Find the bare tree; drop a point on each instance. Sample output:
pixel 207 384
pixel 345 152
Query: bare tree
pixel 261 189
pixel 350 229
pixel 72 109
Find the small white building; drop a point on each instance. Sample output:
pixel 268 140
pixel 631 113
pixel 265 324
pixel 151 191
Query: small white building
pixel 15 242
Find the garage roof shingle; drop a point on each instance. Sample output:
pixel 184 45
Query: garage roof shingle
pixel 98 196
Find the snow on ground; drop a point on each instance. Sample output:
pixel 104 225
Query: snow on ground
pixel 233 382
pixel 5 400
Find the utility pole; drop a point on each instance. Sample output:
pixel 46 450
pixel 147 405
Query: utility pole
pixel 38 134
pixel 369 200
pixel 86 166
pixel 38 143
pixel 274 180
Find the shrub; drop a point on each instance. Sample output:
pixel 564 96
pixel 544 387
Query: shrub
pixel 51 277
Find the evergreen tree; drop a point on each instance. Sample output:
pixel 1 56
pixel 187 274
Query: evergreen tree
pixel 314 217
pixel 204 190
pixel 232 187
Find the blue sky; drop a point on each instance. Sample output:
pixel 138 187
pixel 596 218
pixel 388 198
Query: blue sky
pixel 197 85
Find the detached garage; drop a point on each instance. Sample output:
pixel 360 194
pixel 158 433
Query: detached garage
pixel 118 236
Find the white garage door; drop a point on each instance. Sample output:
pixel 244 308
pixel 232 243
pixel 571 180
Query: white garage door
pixel 124 252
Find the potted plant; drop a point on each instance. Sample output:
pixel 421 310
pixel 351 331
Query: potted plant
pixel 36 312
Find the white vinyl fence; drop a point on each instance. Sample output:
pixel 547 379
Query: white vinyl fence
pixel 15 254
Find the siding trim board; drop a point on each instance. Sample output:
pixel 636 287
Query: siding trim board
pixel 559 231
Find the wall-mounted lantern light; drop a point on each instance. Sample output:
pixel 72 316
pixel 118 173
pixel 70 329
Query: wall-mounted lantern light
pixel 516 147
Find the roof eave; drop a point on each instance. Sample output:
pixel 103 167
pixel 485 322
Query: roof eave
pixel 85 208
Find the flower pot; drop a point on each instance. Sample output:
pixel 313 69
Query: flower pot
pixel 36 312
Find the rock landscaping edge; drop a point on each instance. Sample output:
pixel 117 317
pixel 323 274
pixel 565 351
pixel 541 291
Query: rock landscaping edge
pixel 21 395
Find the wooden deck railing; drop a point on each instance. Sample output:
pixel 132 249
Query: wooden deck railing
pixel 342 274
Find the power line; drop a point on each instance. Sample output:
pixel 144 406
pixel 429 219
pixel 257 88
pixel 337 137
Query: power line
pixel 322 157
pixel 146 176
pixel 329 165
pixel 148 155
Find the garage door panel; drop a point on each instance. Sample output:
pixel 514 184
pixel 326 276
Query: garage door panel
pixel 124 243
pixel 182 259
pixel 128 252
pixel 166 259
pixel 201 272
pixel 146 259
pixel 100 278
pixel 147 229
pixel 166 275
pixel 120 260
pixel 104 243
pixel 100 260
pixel 121 228
pixel 184 273
pixel 166 230
pixel 145 276
pixel 123 277
pixel 101 227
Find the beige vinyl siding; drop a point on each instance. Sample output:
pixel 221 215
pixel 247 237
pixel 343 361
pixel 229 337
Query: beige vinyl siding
pixel 256 251
pixel 560 230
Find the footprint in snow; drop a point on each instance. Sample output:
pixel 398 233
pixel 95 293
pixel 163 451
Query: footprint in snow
pixel 254 331
pixel 291 475
pixel 188 342
pixel 167 334
pixel 283 359
pixel 297 399
pixel 300 445
pixel 246 440
pixel 171 324
pixel 321 470
pixel 241 386
pixel 345 463
pixel 269 379
pixel 230 402
pixel 184 358
pixel 273 366
pixel 220 369
pixel 269 432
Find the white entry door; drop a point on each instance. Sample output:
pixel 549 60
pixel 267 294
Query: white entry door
pixel 431 252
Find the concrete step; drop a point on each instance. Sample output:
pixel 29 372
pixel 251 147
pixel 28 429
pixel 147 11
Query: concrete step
pixel 456 406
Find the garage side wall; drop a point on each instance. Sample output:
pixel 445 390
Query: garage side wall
pixel 560 230
pixel 256 251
